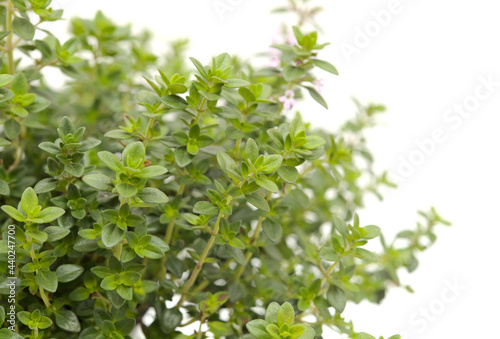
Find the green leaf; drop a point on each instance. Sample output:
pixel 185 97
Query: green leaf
pixel 43 322
pixel 47 280
pixel 117 134
pixel 50 214
pixel 325 65
pixel 174 101
pixel 251 151
pixel 288 173
pixel 298 34
pixel 49 147
pixel 228 165
pixel 309 333
pixel 286 315
pixel 205 207
pixel 75 170
pixel 247 94
pixel 313 142
pixel 4 188
pixel 170 320
pixel 111 282
pixel 125 292
pixel 4 142
pixel 292 73
pixel 2 314
pixel 365 254
pixel 258 201
pixel 151 195
pixel 45 185
pixel 85 245
pixel 68 272
pixel 267 184
pixel 182 158
pixel 89 144
pixel 370 232
pixel 271 163
pixel 316 96
pixel 340 225
pixel 152 171
pixel 199 67
pixel 65 127
pixel 153 252
pixel 236 243
pixel 272 230
pixel 297 331
pixel 24 317
pixel 5 333
pixel 125 326
pixel 337 298
pixel 258 329
pixel 126 190
pixel 272 312
pixel 363 335
pixel 133 155
pixel 237 83
pixel 56 232
pixel 236 254
pixel 111 161
pixel 209 96
pixel 5 94
pixel 13 213
pixel 12 128
pixel 129 278
pixel 35 234
pixel 220 329
pixel 273 330
pixel 98 181
pixel 68 321
pixel 29 201
pixel 19 111
pixel 328 254
pixel 5 79
pixel 38 105
pixel 23 27
pixel 111 235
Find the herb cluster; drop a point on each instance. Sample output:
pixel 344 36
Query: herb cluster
pixel 212 194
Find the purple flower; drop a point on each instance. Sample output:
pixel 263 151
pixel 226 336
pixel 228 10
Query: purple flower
pixel 288 99
pixel 275 59
pixel 319 85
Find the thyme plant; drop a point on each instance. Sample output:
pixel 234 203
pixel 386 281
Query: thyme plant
pixel 193 191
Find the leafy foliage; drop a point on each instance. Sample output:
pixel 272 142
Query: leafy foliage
pixel 207 194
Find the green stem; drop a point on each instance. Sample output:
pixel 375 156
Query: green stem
pixel 168 236
pixel 148 131
pixel 200 110
pixel 44 297
pixel 199 335
pixel 170 227
pixel 10 51
pixel 118 250
pixel 199 266
pixel 40 288
pixel 249 254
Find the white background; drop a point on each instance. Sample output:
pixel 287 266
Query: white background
pixel 429 57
